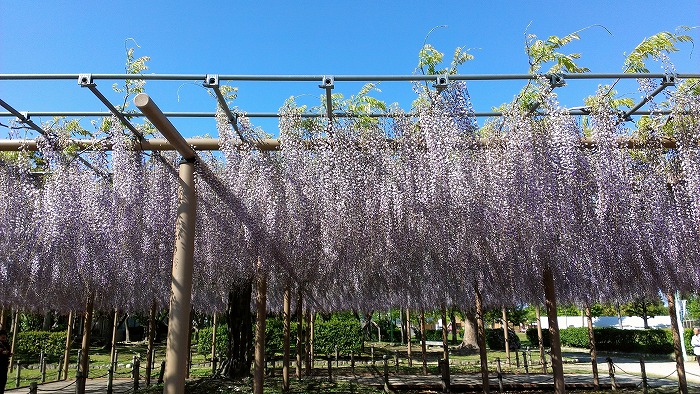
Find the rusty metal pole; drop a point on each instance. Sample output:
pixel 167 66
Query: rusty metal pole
pixel 261 306
pixel 551 303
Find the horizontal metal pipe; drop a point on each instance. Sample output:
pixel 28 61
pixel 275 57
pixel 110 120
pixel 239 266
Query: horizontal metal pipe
pixel 212 144
pixel 155 115
pixel 271 114
pixel 346 78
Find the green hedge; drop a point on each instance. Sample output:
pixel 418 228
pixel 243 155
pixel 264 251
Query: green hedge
pixel 495 339
pixel 612 339
pixel 30 344
pixel 344 332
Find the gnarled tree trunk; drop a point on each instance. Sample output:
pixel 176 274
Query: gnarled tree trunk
pixel 240 331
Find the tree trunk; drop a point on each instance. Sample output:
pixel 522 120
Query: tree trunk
pixel 48 321
pixel 454 326
pixel 619 314
pixel 408 337
pixel 287 327
pixel 591 344
pixel 469 340
pixel 645 316
pixel 299 344
pixel 677 347
pixel 127 336
pixel 445 348
pixel 309 328
pixel 239 331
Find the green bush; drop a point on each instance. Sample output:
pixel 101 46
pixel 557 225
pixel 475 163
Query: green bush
pixel 30 344
pixel 340 330
pixel 531 334
pixel 495 339
pixel 433 335
pixel 204 343
pixel 613 339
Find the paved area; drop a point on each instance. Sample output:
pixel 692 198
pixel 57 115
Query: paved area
pixel 627 375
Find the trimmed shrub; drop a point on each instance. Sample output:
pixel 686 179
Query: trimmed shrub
pixel 343 331
pixel 30 344
pixel 531 334
pixel 204 343
pixel 495 339
pixel 432 335
pixel 574 337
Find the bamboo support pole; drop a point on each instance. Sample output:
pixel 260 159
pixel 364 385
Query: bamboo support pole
pixel 69 343
pixel 150 350
pixel 15 320
pixel 505 335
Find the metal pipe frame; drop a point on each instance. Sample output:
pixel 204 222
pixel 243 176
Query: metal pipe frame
pixel 575 112
pixel 339 78
pixel 666 82
pixel 161 122
pixel 273 144
pixel 86 81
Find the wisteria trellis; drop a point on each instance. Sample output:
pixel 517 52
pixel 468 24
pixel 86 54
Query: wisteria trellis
pixel 409 212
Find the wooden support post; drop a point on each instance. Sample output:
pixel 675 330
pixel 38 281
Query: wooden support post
pixel 2 318
pixel 396 361
pixel 445 375
pixel 42 367
pixel 330 367
pixel 645 385
pixel 181 286
pixel 527 371
pixel 499 375
pixel 299 343
pixel 33 387
pixel 445 347
pixel 59 370
pixel 591 344
pixel 69 343
pixel 110 380
pixel 287 327
pixel 18 377
pixel 677 346
pixel 505 335
pixel 551 302
pixel 83 367
pixel 312 336
pixel 136 366
pixel 422 341
pixel 540 338
pixel 352 362
pixel 15 320
pixel 150 351
pixel 481 339
pixel 113 352
pixel 611 373
pixel 214 359
pixel 261 312
pixel 408 337
pixel 162 372
pixel 386 373
pixel 309 327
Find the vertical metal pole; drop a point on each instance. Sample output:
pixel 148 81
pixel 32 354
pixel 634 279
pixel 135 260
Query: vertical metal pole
pixel 551 302
pixel 181 290
pixel 591 344
pixel 213 344
pixel 408 337
pixel 150 352
pixel 83 367
pixel 422 341
pixel 69 342
pixel 287 327
pixel 505 335
pixel 261 305
pixel 645 386
pixel 540 338
pixel 14 338
pixel 481 339
pixel 299 342
pixel 677 345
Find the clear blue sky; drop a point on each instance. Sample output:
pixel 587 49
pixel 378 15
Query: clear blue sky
pixel 310 37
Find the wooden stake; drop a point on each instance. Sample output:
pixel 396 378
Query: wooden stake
pixel 151 334
pixel 83 366
pixel 213 344
pixel 540 337
pixel 505 335
pixel 300 320
pixel 408 336
pixel 14 337
pixel 445 347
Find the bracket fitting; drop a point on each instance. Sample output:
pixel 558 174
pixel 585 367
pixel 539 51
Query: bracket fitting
pixel 556 80
pixel 441 82
pixel 669 80
pixel 211 81
pixel 327 82
pixel 85 80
